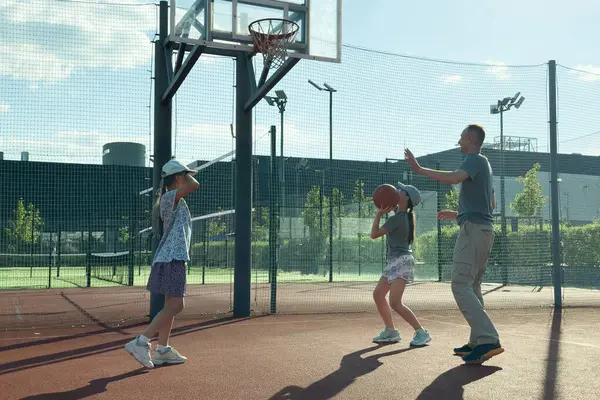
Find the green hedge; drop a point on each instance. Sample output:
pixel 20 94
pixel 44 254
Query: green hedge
pixel 529 254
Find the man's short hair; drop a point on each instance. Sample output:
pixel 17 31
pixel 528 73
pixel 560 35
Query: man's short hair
pixel 477 131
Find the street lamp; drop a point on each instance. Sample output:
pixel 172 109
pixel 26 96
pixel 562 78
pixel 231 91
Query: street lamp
pixel 331 91
pixel 280 102
pixel 500 108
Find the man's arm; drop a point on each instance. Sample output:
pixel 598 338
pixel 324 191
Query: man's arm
pixel 448 177
pixel 493 199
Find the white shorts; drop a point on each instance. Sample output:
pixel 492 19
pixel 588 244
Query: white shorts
pixel 402 267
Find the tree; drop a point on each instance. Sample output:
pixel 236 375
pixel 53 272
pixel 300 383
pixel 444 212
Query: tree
pixel 25 224
pixel 124 231
pixel 367 208
pixel 312 211
pixel 452 199
pixel 260 224
pixel 217 226
pixel 531 200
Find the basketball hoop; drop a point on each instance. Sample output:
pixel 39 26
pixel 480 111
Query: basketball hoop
pixel 271 37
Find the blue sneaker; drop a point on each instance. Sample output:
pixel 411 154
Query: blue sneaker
pixel 482 353
pixel 387 336
pixel 421 338
pixel 464 350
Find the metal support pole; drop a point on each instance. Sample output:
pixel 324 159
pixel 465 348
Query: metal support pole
pixel 556 248
pixel 439 225
pixel 243 190
pixel 273 222
pixel 321 202
pixel 162 129
pixel 503 203
pixel 330 186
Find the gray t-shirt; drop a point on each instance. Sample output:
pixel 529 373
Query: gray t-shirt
pixel 176 243
pixel 475 197
pixel 397 236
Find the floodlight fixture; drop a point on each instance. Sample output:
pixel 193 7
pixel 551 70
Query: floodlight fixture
pixel 281 94
pixel 270 100
pixel 521 100
pixel 329 88
pixel 315 85
pixel 505 101
pixel 515 97
pixel 494 109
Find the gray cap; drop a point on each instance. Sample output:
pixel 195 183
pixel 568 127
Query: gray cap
pixel 413 193
pixel 175 167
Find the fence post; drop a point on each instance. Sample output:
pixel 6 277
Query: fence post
pixel 556 248
pixel 132 237
pixel 162 129
pixel 273 222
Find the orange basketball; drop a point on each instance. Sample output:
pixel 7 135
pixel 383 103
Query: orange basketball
pixel 385 195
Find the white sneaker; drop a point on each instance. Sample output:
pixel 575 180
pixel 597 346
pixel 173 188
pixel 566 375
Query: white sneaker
pixel 140 351
pixel 168 356
pixel 387 336
pixel 421 338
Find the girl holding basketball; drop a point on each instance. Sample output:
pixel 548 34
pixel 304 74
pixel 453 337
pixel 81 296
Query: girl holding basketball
pixel 168 275
pixel 400 231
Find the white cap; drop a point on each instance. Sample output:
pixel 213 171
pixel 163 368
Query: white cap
pixel 413 193
pixel 175 167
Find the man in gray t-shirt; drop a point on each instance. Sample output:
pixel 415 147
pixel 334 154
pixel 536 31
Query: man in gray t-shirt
pixel 477 191
pixel 474 242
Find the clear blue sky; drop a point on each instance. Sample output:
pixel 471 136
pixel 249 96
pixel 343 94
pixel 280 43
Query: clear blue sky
pixel 75 75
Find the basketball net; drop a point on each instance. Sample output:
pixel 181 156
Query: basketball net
pixel 271 37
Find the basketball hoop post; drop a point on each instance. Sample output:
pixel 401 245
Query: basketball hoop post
pixel 270 37
pixel 162 133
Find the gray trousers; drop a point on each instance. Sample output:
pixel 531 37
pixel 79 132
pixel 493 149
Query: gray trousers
pixel 471 253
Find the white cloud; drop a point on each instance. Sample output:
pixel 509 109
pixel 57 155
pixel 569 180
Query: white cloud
pixel 451 78
pixel 49 40
pixel 498 68
pixel 587 72
pixel 4 108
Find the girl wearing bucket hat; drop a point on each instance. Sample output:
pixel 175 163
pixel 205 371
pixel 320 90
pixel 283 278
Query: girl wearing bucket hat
pixel 400 269
pixel 168 275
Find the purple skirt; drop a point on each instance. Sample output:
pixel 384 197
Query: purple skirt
pixel 168 279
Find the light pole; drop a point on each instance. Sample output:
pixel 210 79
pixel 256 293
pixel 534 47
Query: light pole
pixel 280 102
pixel 500 108
pixel 331 91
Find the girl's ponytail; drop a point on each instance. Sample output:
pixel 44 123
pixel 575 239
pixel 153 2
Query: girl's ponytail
pixel 411 223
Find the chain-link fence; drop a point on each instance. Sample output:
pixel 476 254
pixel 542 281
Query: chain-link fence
pixel 76 145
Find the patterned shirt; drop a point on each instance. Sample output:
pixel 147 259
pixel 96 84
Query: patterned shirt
pixel 176 244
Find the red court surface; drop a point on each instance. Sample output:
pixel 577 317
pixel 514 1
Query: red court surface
pixel 548 356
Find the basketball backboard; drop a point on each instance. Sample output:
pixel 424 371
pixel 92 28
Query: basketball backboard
pixel 223 24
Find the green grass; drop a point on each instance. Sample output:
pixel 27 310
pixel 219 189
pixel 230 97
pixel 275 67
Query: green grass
pixel 72 277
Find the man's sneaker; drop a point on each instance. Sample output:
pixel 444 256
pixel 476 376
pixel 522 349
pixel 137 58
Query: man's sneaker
pixel 168 356
pixel 140 351
pixel 421 338
pixel 464 350
pixel 483 352
pixel 387 336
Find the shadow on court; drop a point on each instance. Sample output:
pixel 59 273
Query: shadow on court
pixel 351 367
pixel 553 356
pixel 94 387
pixel 73 354
pixel 450 385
